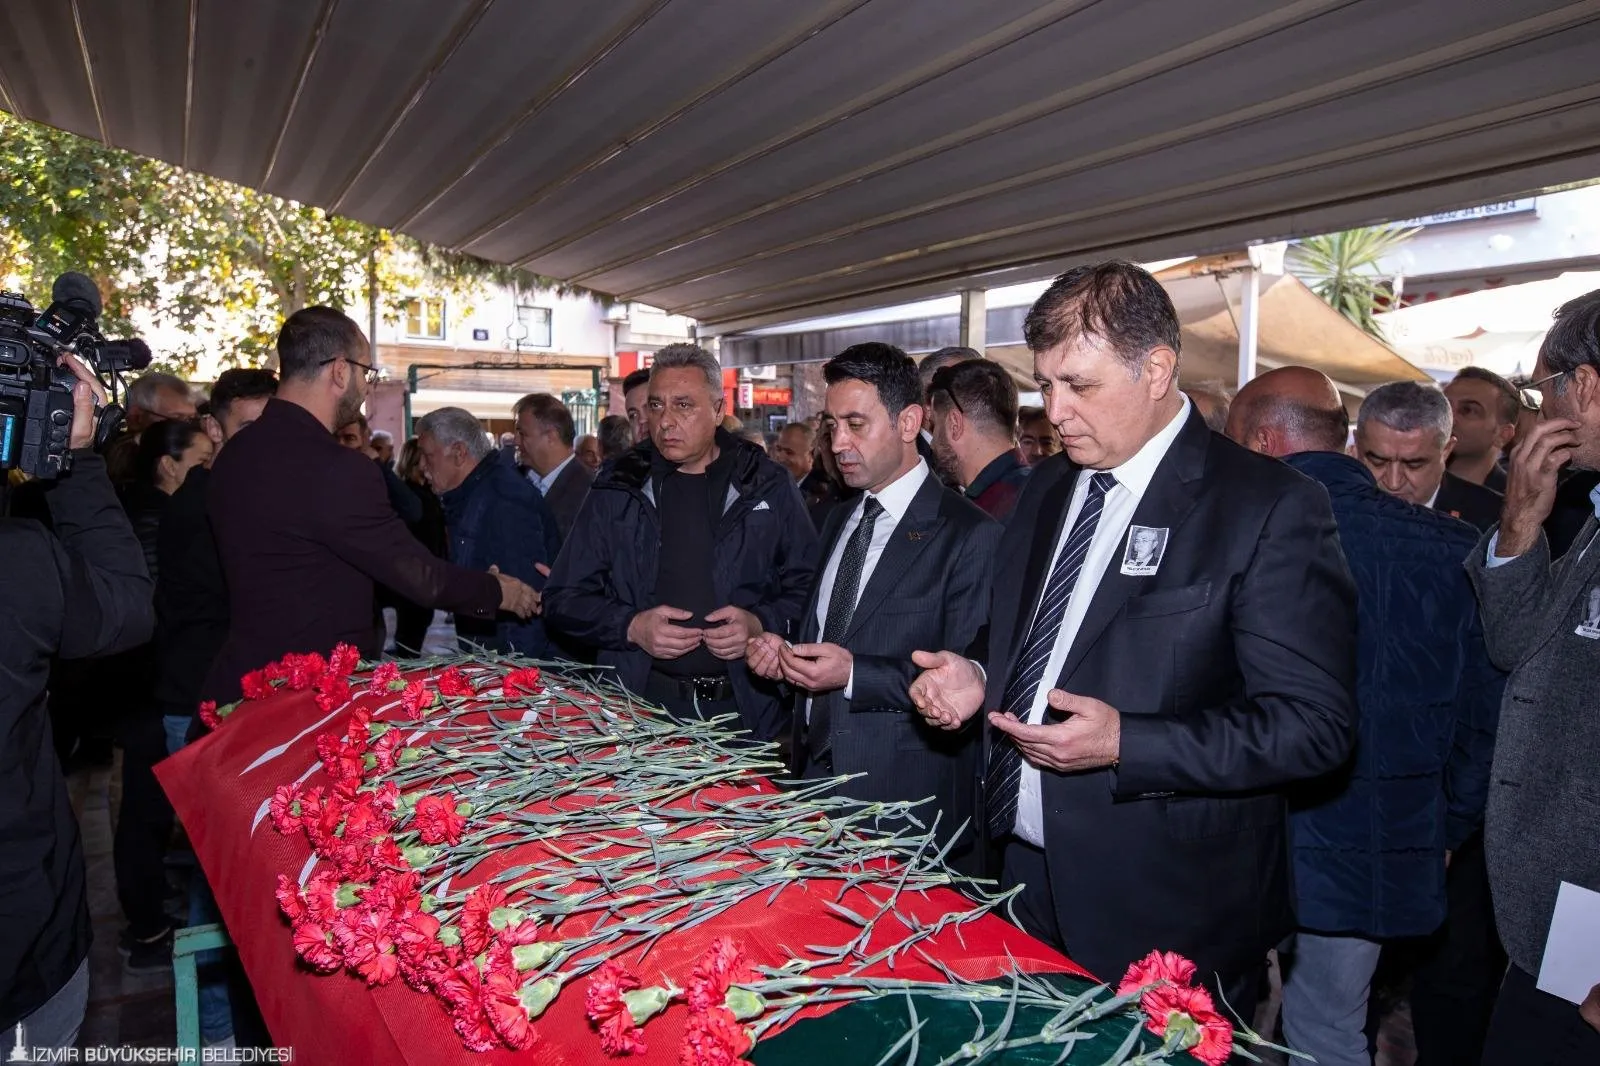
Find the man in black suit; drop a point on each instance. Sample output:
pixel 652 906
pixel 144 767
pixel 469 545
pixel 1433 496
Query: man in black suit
pixel 905 566
pixel 545 438
pixel 1143 720
pixel 1404 436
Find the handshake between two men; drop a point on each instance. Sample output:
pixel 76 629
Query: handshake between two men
pixel 949 693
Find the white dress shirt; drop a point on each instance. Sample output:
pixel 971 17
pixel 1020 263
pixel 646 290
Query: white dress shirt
pixel 896 499
pixel 543 483
pixel 1133 477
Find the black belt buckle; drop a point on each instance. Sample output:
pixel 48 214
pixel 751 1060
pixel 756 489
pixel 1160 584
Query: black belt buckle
pixel 708 688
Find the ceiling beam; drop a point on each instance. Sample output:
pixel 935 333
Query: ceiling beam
pixel 1045 15
pixel 640 14
pixel 830 14
pixel 1211 45
pixel 88 73
pixel 313 46
pixel 1361 81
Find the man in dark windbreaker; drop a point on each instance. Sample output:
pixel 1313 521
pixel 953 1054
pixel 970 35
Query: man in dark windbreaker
pixel 686 548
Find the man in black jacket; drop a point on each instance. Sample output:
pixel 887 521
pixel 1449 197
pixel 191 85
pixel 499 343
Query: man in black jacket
pixel 1404 435
pixel 1146 709
pixel 79 592
pixel 686 548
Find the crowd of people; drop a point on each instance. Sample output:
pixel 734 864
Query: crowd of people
pixel 1254 675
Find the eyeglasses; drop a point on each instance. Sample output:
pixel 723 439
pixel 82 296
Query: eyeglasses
pixel 372 373
pixel 1532 394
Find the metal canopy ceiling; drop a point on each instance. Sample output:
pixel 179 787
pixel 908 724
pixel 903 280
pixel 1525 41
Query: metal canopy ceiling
pixel 748 161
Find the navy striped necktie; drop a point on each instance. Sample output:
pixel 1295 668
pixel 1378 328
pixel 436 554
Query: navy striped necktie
pixel 1003 774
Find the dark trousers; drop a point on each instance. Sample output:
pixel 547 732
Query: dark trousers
pixel 1453 987
pixel 144 828
pixel 1035 908
pixel 1534 1028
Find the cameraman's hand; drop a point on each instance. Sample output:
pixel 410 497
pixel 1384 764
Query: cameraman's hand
pixel 87 395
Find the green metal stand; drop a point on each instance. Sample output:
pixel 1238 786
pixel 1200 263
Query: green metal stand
pixel 185 983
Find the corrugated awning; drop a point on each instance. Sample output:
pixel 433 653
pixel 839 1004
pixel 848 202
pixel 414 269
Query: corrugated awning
pixel 746 162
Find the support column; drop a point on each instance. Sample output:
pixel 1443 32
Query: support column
pixel 974 320
pixel 1249 323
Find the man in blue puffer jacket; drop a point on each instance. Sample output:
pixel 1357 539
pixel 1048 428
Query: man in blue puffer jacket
pixel 1371 841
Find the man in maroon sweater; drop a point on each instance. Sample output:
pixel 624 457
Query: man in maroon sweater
pixel 304 527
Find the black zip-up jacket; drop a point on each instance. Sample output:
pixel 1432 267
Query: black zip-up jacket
pixel 74 593
pixel 765 561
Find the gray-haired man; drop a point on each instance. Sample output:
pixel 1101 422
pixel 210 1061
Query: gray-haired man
pixel 685 549
pixel 495 518
pixel 1543 826
pixel 1404 436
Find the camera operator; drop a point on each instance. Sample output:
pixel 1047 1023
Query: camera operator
pixel 80 591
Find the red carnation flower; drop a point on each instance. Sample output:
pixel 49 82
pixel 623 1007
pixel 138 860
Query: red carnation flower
pixel 721 965
pixel 368 948
pixel 619 1036
pixel 208 714
pixel 438 821
pixel 319 895
pixel 256 685
pixel 507 1016
pixel 285 808
pixel 475 930
pixel 603 1000
pixel 314 943
pixel 290 901
pixel 523 680
pixel 1155 967
pixel 386 796
pixel 385 751
pixel 1206 1034
pixel 333 691
pixel 453 683
pixel 302 671
pixel 416 699
pixel 387 854
pixel 344 660
pixel 713 1038
pixel 465 995
pixel 382 677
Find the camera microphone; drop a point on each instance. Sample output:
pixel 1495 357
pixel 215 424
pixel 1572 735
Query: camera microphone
pixel 130 354
pixel 77 291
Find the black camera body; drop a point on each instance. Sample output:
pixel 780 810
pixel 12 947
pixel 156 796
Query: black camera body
pixel 36 390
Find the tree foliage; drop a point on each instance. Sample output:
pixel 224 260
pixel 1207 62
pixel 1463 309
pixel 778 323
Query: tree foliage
pixel 196 252
pixel 1342 268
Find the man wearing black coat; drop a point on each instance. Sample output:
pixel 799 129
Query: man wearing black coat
pixel 903 567
pixel 80 591
pixel 686 548
pixel 1404 436
pixel 1147 709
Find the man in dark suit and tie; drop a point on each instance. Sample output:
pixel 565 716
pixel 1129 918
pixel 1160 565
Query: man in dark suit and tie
pixel 545 436
pixel 1404 435
pixel 1143 720
pixel 304 527
pixel 904 567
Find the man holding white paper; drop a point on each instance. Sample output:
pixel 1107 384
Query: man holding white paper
pixel 1543 820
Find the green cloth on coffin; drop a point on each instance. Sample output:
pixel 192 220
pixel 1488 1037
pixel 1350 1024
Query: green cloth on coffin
pixel 858 1033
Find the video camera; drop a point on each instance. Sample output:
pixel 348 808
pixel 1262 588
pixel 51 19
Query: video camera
pixel 36 391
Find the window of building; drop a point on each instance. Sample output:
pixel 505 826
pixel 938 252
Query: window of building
pixel 425 318
pixel 536 320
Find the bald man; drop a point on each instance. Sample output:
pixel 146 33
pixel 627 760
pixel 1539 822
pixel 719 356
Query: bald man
pixel 1428 698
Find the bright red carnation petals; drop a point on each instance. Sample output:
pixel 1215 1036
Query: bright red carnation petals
pixel 438 821
pixel 453 683
pixel 256 685
pixel 525 680
pixel 314 943
pixel 713 1038
pixel 720 966
pixel 603 999
pixel 1157 966
pixel 475 930
pixel 344 660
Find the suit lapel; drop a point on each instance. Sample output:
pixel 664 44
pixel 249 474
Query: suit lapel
pixel 910 536
pixel 1167 501
pixel 1572 575
pixel 1052 518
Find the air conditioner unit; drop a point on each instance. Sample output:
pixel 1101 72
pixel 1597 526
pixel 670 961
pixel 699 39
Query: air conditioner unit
pixel 617 313
pixel 760 373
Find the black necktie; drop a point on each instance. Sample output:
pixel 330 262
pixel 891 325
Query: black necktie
pixel 1003 774
pixel 841 607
